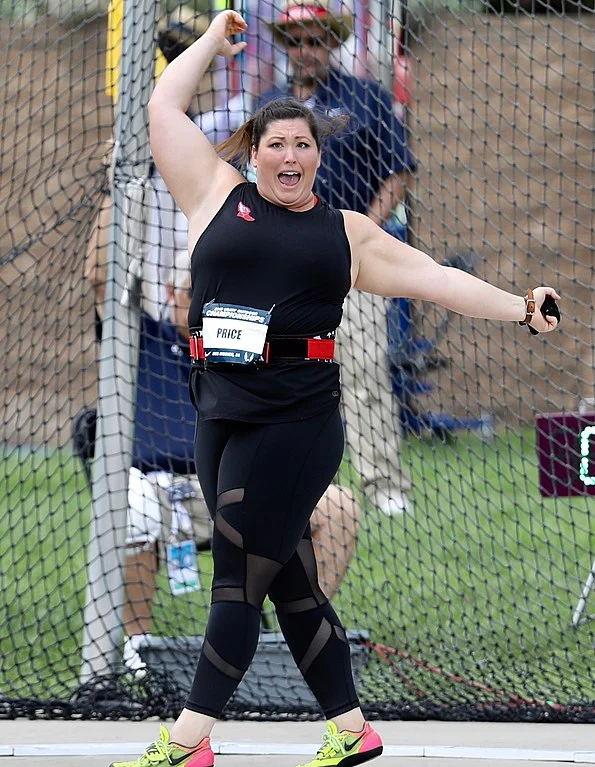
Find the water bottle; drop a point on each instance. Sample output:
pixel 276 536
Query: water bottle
pixel 396 225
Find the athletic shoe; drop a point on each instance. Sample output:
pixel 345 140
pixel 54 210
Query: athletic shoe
pixel 345 748
pixel 393 504
pixel 131 656
pixel 168 754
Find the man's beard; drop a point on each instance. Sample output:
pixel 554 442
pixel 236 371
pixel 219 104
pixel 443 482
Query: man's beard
pixel 305 79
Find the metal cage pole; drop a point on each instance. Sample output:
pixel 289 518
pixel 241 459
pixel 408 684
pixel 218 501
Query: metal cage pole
pixel 577 616
pixel 119 348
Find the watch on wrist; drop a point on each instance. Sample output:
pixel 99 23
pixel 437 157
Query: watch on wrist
pixel 529 308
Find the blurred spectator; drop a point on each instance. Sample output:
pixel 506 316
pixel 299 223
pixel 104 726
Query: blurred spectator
pixel 365 169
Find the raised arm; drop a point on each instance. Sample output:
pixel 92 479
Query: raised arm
pixel 184 156
pixel 387 267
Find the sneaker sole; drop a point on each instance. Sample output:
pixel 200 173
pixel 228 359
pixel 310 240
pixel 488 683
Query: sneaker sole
pixel 349 761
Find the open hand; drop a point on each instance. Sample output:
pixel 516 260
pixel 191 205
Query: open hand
pixel 543 323
pixel 223 26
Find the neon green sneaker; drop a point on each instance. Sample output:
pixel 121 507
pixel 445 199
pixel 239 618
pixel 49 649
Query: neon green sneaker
pixel 163 752
pixel 346 748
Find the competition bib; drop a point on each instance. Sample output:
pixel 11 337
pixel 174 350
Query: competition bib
pixel 232 333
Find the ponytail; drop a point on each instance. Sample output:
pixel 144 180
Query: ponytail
pixel 238 147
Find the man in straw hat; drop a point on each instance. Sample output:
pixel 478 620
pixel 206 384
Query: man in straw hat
pixel 366 169
pixel 339 24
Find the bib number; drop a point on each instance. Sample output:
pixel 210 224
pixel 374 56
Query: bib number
pixel 232 333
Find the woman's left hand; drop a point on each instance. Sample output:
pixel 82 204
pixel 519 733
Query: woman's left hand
pixel 540 322
pixel 225 25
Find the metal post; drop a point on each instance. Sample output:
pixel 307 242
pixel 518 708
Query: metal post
pixel 119 347
pixel 582 602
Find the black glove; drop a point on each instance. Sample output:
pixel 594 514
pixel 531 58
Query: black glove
pixel 549 308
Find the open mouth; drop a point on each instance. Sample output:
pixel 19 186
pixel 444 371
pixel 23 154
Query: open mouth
pixel 289 178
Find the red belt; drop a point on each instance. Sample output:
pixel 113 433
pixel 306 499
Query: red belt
pixel 279 349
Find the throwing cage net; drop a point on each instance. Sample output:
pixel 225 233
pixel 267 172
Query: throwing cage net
pixel 462 553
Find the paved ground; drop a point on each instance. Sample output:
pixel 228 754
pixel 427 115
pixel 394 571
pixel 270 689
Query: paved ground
pixel 96 744
pixel 272 761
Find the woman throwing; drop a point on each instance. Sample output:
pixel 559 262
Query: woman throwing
pixel 271 266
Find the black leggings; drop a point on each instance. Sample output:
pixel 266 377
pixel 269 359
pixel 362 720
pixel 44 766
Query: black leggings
pixel 261 483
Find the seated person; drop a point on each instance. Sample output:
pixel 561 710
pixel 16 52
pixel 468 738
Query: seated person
pixel 165 500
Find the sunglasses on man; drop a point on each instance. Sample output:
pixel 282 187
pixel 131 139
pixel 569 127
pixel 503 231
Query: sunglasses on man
pixel 307 41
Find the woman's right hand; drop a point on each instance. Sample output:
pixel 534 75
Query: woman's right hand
pixel 223 26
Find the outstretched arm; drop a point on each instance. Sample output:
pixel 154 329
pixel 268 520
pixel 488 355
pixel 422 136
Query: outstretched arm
pixel 183 154
pixel 387 267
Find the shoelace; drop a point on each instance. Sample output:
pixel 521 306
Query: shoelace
pixel 331 744
pixel 155 753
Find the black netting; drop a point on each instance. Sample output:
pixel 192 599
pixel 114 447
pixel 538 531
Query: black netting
pixel 463 551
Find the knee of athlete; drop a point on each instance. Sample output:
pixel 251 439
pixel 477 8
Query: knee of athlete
pixel 144 521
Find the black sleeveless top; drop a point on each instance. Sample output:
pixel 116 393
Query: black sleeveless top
pixel 257 254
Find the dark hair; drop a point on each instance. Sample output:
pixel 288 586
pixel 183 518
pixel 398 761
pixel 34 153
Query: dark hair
pixel 174 39
pixel 171 47
pixel 238 146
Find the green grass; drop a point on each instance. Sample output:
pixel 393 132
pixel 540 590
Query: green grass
pixel 483 577
pixel 44 513
pixel 480 580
